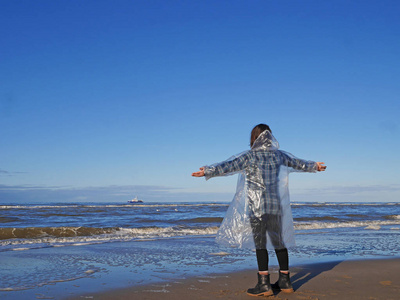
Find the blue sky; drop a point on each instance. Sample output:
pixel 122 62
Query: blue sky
pixel 106 100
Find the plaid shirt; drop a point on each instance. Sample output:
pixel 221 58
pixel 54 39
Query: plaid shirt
pixel 262 176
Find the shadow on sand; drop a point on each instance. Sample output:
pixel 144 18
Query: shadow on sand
pixel 308 272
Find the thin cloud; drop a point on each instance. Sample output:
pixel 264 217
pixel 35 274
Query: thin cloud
pixel 20 188
pixel 8 173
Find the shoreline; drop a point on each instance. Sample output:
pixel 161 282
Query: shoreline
pixel 342 279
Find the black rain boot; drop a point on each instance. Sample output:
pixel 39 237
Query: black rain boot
pixel 283 283
pixel 263 287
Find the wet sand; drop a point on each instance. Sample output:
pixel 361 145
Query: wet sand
pixel 361 279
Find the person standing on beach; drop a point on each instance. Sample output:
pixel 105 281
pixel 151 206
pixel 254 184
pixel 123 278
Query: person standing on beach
pixel 260 216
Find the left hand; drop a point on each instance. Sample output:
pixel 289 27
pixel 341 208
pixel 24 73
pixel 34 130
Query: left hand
pixel 199 173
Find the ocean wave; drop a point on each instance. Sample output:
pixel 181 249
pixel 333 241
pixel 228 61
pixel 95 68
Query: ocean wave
pixel 327 225
pixel 392 217
pixel 305 223
pixel 64 236
pixel 37 232
pixel 65 232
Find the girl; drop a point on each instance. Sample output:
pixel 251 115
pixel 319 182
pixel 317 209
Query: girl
pixel 259 215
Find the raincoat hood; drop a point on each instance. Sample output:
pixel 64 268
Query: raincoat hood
pixel 265 142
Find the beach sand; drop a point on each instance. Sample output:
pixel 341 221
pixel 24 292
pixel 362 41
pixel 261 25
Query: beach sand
pixel 360 279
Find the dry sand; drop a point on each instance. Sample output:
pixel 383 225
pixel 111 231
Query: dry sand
pixel 364 279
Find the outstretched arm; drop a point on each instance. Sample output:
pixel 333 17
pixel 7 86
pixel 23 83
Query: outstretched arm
pixel 298 164
pixel 227 167
pixel 199 173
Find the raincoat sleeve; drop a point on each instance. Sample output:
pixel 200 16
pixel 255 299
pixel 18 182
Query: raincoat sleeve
pixel 230 166
pixel 298 164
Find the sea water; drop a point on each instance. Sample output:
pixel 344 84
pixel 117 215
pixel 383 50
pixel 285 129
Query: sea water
pixel 43 246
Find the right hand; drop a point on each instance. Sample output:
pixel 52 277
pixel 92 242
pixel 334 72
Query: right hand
pixel 321 166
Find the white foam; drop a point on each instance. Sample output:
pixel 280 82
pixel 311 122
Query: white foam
pixel 394 217
pixel 373 227
pixel 324 225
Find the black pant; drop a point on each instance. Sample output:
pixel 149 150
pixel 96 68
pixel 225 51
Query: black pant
pixel 271 224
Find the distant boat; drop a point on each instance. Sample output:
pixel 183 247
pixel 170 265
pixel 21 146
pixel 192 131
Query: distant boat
pixel 135 200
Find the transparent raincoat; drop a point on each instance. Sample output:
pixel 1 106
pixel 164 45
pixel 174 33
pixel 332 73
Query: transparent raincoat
pixel 259 215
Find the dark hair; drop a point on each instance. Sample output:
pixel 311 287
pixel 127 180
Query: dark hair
pixel 257 130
